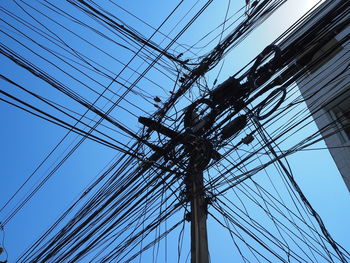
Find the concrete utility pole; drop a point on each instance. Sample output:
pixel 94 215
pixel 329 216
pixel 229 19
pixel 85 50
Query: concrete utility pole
pixel 199 150
pixel 199 236
pixel 200 153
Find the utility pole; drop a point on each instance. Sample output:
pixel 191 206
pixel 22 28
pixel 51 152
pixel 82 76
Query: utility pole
pixel 200 153
pixel 199 236
pixel 198 203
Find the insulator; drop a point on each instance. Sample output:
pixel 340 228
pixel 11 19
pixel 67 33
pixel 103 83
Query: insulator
pixel 157 99
pixel 248 139
pixel 234 126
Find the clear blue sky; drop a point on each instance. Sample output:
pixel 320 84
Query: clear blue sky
pixel 25 140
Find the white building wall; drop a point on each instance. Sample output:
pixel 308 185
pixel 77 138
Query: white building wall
pixel 319 88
